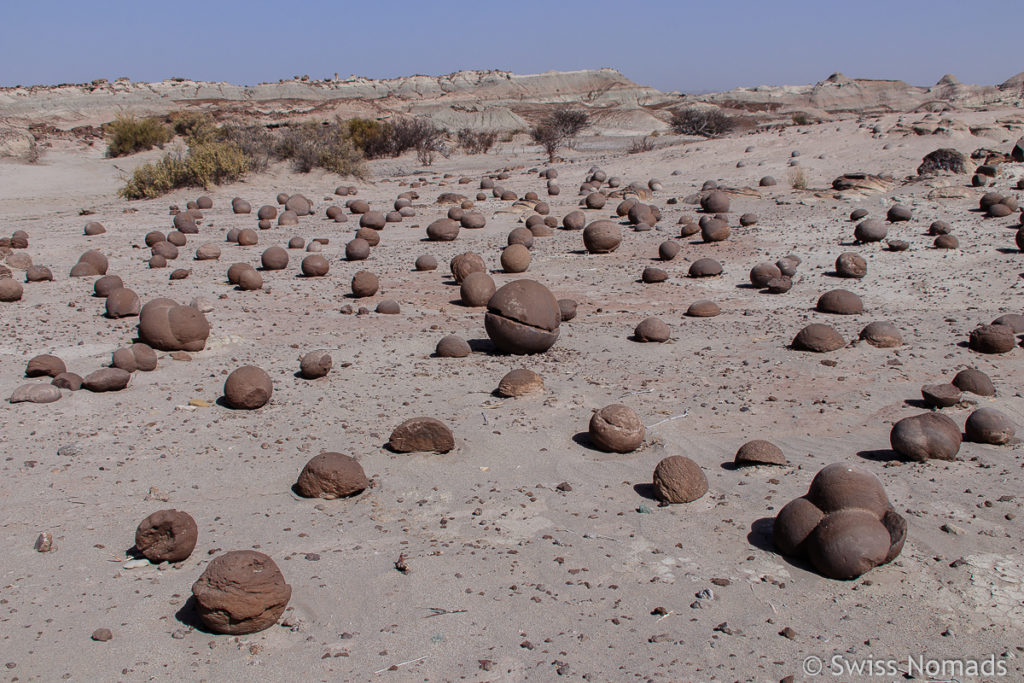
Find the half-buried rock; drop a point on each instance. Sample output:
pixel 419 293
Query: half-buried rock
pixel 616 429
pixel 881 334
pixel 705 267
pixel 988 425
pixel 940 395
pixel 929 436
pixel 418 434
pixel 452 346
pixel 844 525
pixel 704 308
pixel 759 452
pixel 840 302
pixel 35 393
pixel 975 382
pixel 248 388
pixel 107 379
pixel 315 364
pixel 135 357
pixel 241 592
pixel 818 338
pixel 677 479
pixel 168 326
pixel 122 303
pixel 520 382
pixel 331 475
pixel 45 365
pixel 652 330
pixel 167 536
pixel 523 317
pixel 992 339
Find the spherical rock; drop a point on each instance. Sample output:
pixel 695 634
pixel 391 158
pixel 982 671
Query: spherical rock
pixel 794 524
pixel 704 308
pixel 452 346
pixel 616 429
pixel 315 265
pixel 157 261
pixel 668 250
pixel 759 452
pixel 715 201
pixel 870 230
pixel 287 219
pixel 748 219
pixel 358 206
pixel 472 220
pixel 247 237
pixel 10 290
pixel 595 200
pixel 566 309
pixel 250 280
pixel 840 302
pixel 715 230
pixel 368 235
pixel 787 265
pixel 93 228
pixel 315 364
pixel 373 219
pixel 818 338
pixel 940 395
pixel 847 543
pixel 267 212
pixel 421 434
pixel 523 317
pixel 992 339
pixel 839 486
pixel 247 388
pixel 107 379
pixel 652 275
pixel 897 245
pixel 602 237
pixel 177 238
pixel 975 382
pixel 167 326
pixel 364 284
pixel 45 365
pixel 515 258
pixel 988 425
pixel 443 230
pixel 239 205
pixel 767 181
pixel 241 592
pixel 881 334
pixel 520 382
pixel 851 264
pixel 357 249
pixel 1015 321
pixel 521 235
pixel 388 307
pixel 235 271
pixel 762 273
pixel 122 303
pixel 898 213
pixel 929 436
pixel 98 260
pixel 426 262
pixel 330 476
pixel 677 479
pixel 464 264
pixel 574 220
pixel 167 536
pixel 939 228
pixel 208 252
pixel 946 242
pixel 299 205
pixel 652 330
pixel 477 289
pixel 274 258
pixel 705 267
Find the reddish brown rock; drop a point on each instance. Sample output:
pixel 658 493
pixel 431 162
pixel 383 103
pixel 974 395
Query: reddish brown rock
pixel 515 258
pixel 330 476
pixel 988 425
pixel 975 382
pixel 45 365
pixel 677 479
pixel 241 592
pixel 107 379
pixel 840 302
pixel 705 267
pixel 652 330
pixel 759 452
pixel 315 265
pixel 167 326
pixel 315 364
pixel 523 317
pixel 248 388
pixel 520 382
pixel 703 308
pixel 274 258
pixel 364 284
pixel 881 334
pixel 602 237
pixel 818 338
pixel 424 434
pixel 940 395
pixel 122 303
pixel 167 536
pixel 929 436
pixel 992 339
pixel 477 289
pixel 617 429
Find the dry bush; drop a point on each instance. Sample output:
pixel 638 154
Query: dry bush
pixel 195 126
pixel 370 137
pixel 129 134
pixel 320 145
pixel 640 145
pixel 420 134
pixel 202 165
pixel 256 143
pixel 802 118
pixel 706 122
pixel 559 128
pixel 476 142
pixel 798 179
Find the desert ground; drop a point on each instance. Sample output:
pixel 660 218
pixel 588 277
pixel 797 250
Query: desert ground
pixel 511 574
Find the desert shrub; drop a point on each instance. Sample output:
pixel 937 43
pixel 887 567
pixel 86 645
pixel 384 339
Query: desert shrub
pixel 644 144
pixel 320 145
pixel 195 126
pixel 420 134
pixel 256 143
pixel 202 165
pixel 802 118
pixel 476 142
pixel 559 128
pixel 372 138
pixel 129 134
pixel 702 121
pixel 798 179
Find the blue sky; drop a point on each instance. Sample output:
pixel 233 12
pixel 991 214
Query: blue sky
pixel 681 45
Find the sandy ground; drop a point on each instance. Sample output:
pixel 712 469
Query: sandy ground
pixel 533 583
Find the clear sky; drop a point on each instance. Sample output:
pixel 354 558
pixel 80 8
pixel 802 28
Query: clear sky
pixel 671 45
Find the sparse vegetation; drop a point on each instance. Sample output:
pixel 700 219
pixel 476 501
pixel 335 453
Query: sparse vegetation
pixel 195 126
pixel 476 142
pixel 640 145
pixel 320 145
pixel 798 179
pixel 704 121
pixel 559 128
pixel 420 134
pixel 802 118
pixel 199 166
pixel 129 135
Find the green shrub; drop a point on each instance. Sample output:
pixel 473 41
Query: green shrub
pixel 195 126
pixel 129 134
pixel 373 138
pixel 802 118
pixel 202 165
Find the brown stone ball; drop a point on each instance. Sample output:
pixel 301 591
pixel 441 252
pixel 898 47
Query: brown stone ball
pixel 248 388
pixel 466 263
pixel 704 308
pixel 106 284
pixel 677 479
pixel 93 228
pixel 167 536
pixel 715 201
pixel 521 235
pixel 330 476
pixel 472 220
pixel 763 273
pixel 288 219
pixel 250 280
pixel 523 317
pixel 274 258
pixel 515 258
pixel 165 250
pixel 595 200
pixel 156 261
pixel 369 235
pixel 899 213
pixel 177 238
pixel 616 429
pixel 299 205
pixel 267 212
pixel 296 243
pixel 97 260
pixel 421 434
pixel 992 339
pixel 452 346
pixel 239 205
pixel 364 284
pixel 759 452
pixel 520 382
pixel 946 242
pixel 373 219
pixel 36 273
pixel 840 302
pixel 652 330
pixel 122 303
pixel 870 230
pixel 358 206
pixel 357 249
pixel 818 338
pixel 574 220
pixel 851 264
pixel 315 364
pixel 925 437
pixel 235 271
pixel 207 252
pixel 45 365
pixel 315 265
pixel 477 289
pixel 602 237
pixel 652 275
pixel 882 334
pixel 443 230
pixel 668 250
pixel 715 230
pixel 705 267
pixel 988 425
pixel 241 592
pixel 153 237
pixel 247 237
pixel 425 262
pixel 975 382
pixel 566 309
pixel 167 326
pixel 388 307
